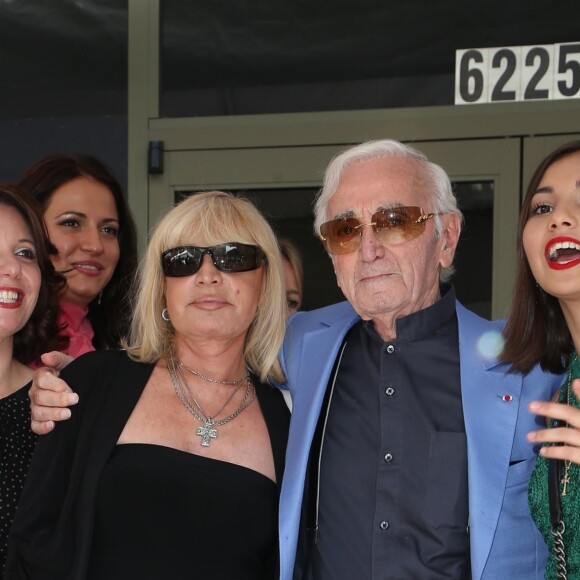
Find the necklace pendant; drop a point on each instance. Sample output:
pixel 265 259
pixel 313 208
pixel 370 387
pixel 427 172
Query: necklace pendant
pixel 207 433
pixel 565 481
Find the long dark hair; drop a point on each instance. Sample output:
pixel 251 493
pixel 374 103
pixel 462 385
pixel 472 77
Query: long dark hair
pixel 40 333
pixel 109 316
pixel 536 331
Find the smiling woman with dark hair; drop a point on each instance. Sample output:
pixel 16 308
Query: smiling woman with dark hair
pixel 90 224
pixel 28 312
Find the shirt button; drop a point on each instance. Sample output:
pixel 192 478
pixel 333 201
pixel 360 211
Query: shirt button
pixel 389 391
pixel 384 525
pixel 388 458
pixel 390 349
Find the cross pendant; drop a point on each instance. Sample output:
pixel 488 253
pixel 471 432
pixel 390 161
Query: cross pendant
pixel 565 482
pixel 207 433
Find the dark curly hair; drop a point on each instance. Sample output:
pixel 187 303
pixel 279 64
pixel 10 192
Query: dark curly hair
pixel 536 330
pixel 109 316
pixel 40 333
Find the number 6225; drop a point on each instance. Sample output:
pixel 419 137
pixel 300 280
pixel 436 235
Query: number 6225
pixel 517 73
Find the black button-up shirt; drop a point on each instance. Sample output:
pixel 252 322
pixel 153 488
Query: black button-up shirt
pixel 393 473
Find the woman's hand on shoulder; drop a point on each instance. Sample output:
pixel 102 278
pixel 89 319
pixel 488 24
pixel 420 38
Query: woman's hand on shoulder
pixel 565 439
pixel 49 395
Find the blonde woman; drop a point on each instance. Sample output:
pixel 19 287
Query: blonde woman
pixel 172 460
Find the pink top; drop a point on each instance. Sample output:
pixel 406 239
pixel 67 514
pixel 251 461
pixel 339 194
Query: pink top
pixel 73 322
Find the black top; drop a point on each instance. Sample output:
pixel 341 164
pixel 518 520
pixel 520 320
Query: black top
pixel 52 535
pixel 165 513
pixel 393 477
pixel 17 443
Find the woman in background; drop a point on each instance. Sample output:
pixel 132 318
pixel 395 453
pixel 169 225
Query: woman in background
pixel 89 223
pixel 544 327
pixel 293 274
pixel 28 314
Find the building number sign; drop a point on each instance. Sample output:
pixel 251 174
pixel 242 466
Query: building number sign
pixel 517 73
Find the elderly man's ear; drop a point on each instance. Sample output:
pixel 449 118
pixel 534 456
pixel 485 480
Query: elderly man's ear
pixel 449 238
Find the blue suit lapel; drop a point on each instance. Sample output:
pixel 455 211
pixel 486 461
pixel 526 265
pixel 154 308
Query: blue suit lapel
pixel 308 385
pixel 490 424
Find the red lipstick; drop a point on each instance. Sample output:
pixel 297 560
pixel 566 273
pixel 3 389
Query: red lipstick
pixel 10 297
pixel 562 253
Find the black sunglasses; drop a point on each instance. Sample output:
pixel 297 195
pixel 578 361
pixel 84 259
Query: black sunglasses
pixel 230 257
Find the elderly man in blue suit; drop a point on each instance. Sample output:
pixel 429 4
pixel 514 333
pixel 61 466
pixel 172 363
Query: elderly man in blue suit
pixel 407 456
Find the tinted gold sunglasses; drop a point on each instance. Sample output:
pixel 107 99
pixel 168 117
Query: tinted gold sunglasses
pixel 391 226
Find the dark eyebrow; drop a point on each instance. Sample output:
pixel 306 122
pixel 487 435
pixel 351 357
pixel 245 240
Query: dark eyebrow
pixel 74 213
pixel 80 214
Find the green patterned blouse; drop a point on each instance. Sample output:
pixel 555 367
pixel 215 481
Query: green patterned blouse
pixel 538 499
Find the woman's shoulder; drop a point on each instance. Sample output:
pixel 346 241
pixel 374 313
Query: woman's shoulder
pixel 271 397
pixel 95 359
pixel 105 357
pixel 99 365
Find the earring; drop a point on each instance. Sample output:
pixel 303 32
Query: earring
pixel 100 298
pixel 165 315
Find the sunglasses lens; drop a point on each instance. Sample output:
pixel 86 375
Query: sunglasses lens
pixel 235 257
pixel 341 236
pixel 398 225
pixel 183 261
pixel 391 226
pixel 230 257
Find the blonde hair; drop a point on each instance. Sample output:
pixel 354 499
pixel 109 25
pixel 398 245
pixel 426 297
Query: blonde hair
pixel 215 217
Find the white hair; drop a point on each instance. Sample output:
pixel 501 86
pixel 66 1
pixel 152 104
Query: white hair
pixel 434 176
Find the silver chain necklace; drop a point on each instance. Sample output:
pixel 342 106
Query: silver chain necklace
pixel 208 430
pixel 209 379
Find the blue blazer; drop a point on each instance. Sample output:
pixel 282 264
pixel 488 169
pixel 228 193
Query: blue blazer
pixel 504 540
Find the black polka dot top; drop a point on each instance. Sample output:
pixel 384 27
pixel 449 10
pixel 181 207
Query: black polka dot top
pixel 16 446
